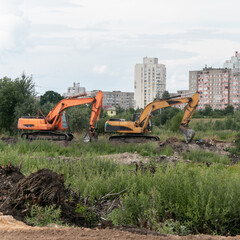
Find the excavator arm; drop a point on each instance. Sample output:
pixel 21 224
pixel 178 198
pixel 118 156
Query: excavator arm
pixel 95 114
pixel 64 104
pixel 159 104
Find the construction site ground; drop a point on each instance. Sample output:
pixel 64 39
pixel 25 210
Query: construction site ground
pixel 10 228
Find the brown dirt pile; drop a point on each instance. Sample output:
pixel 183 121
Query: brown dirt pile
pixel 44 187
pixel 210 145
pixel 126 158
pixel 9 177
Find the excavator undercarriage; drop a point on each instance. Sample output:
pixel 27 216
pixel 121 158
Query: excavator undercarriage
pixel 135 138
pixel 47 135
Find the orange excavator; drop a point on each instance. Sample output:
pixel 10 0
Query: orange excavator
pixel 136 130
pixel 52 126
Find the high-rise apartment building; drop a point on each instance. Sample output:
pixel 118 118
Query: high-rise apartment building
pixel 234 65
pixel 218 87
pixel 124 100
pixel 149 81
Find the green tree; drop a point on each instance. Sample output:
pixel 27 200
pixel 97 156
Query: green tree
pixel 119 109
pixel 47 107
pixel 78 118
pixel 229 110
pixel 174 123
pixel 165 95
pixel 208 111
pixel 16 99
pixel 50 96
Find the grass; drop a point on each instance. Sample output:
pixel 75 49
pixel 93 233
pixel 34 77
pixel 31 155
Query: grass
pixel 182 198
pixel 206 157
pixel 101 147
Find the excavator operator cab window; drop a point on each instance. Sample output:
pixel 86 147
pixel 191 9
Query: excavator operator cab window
pixel 64 120
pixel 136 116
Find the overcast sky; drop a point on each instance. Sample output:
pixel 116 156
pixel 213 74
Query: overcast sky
pixel 98 42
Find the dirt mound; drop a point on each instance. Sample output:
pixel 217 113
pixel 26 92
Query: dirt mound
pixel 9 176
pixel 8 222
pixel 126 158
pixel 177 145
pixel 211 145
pixel 44 188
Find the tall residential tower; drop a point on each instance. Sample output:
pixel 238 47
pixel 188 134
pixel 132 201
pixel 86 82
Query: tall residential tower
pixel 149 81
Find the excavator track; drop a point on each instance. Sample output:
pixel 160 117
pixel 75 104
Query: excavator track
pixel 133 138
pixel 48 135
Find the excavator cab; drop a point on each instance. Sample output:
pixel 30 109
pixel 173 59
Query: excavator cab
pixel 63 124
pixel 136 117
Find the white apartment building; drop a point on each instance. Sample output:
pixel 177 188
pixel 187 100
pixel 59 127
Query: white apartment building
pixel 116 98
pixel 75 90
pixel 149 81
pixel 234 63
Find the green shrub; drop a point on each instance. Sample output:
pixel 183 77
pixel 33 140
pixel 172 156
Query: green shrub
pixel 205 199
pixel 43 216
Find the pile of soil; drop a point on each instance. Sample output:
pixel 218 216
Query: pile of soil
pixel 9 177
pixel 126 158
pixel 44 188
pixel 209 145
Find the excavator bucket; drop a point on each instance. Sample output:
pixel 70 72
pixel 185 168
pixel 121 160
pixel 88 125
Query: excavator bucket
pixel 188 134
pixel 87 137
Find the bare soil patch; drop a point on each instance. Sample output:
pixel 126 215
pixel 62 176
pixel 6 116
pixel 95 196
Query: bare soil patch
pixel 12 229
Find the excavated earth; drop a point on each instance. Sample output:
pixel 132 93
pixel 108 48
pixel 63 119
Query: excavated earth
pixel 11 229
pixel 207 145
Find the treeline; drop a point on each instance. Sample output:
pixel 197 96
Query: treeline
pixel 18 98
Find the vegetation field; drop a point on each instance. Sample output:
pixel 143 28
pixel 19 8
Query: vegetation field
pixel 188 196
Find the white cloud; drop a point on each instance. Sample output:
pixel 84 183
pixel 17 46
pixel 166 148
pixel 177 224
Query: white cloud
pixel 100 69
pixel 60 40
pixel 13 27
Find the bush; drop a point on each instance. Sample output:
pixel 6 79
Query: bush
pixel 43 216
pixel 203 199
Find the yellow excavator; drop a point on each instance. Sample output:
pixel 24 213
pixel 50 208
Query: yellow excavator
pixel 136 131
